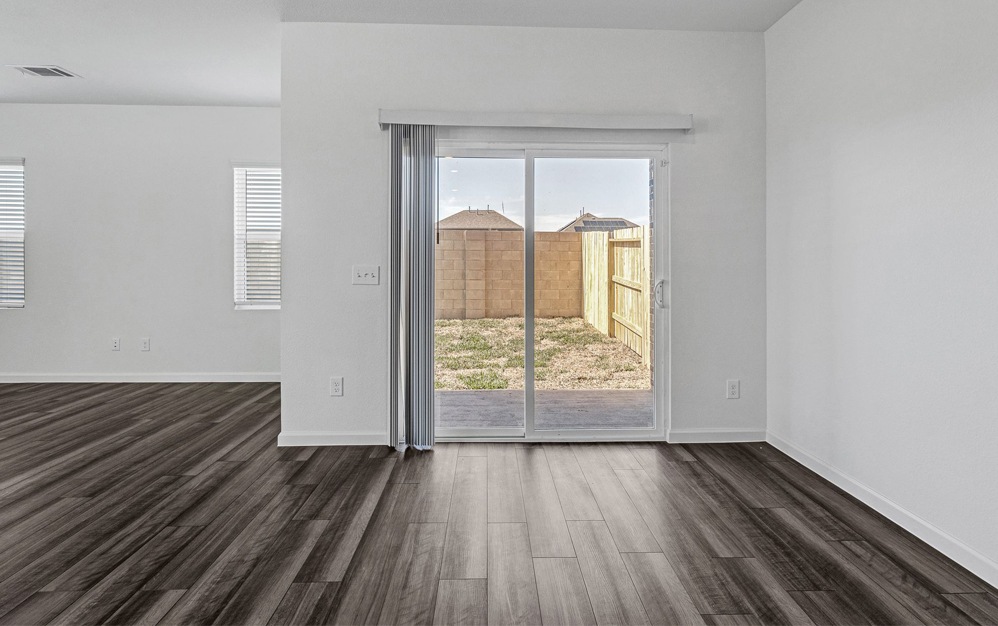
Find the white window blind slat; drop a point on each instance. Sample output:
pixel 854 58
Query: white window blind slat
pixel 11 234
pixel 257 236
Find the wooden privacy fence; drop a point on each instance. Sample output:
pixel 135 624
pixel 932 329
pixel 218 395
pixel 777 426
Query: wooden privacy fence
pixel 616 289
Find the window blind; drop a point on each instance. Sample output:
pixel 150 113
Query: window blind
pixel 413 217
pixel 11 233
pixel 257 237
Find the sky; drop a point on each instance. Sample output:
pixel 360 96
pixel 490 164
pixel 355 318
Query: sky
pixel 564 187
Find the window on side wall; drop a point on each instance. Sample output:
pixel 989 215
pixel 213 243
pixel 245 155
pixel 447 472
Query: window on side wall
pixel 11 233
pixel 257 237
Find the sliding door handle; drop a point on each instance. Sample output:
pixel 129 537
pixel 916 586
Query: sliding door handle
pixel 660 294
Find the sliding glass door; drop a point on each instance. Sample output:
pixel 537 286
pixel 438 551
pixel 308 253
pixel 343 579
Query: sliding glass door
pixel 479 334
pixel 546 266
pixel 593 272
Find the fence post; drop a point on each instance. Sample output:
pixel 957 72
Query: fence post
pixel 611 287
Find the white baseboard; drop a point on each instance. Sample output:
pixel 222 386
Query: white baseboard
pixel 713 435
pixel 952 547
pixel 199 377
pixel 323 438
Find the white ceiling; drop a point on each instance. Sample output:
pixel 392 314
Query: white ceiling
pixel 724 15
pixel 143 51
pixel 227 52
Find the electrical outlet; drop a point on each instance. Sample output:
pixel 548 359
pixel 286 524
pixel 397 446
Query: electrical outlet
pixel 366 275
pixel 115 344
pixel 734 389
pixel 336 386
pixel 145 344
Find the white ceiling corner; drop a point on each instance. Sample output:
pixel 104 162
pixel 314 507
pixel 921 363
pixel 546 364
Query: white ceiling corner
pixel 702 15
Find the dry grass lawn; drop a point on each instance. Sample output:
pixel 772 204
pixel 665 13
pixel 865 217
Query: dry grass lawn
pixel 570 354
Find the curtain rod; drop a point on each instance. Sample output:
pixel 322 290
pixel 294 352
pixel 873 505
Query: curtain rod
pixel 536 120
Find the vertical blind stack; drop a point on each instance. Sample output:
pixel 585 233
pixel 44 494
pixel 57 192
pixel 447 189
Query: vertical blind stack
pixel 413 206
pixel 11 233
pixel 258 236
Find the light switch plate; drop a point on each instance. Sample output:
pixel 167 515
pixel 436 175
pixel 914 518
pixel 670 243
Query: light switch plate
pixel 366 275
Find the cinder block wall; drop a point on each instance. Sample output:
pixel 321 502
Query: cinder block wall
pixel 479 274
pixel 449 275
pixel 558 274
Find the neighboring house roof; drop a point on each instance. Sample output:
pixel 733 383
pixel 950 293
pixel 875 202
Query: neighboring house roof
pixel 475 219
pixel 588 223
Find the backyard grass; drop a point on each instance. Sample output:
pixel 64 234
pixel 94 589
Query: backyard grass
pixel 570 354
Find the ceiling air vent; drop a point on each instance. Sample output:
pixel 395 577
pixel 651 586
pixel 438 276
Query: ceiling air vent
pixel 45 71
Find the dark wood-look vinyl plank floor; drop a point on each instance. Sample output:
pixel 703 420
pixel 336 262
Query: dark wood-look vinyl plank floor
pixel 172 504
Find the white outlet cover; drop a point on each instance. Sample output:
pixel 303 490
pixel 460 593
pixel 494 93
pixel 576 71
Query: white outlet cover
pixel 733 390
pixel 366 275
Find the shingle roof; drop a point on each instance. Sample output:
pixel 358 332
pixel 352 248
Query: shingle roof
pixel 474 219
pixel 590 223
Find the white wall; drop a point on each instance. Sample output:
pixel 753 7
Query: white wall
pixel 129 234
pixel 335 158
pixel 882 272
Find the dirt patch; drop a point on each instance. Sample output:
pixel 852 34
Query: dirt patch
pixel 570 354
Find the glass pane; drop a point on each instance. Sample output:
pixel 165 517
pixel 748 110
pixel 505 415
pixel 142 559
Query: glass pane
pixel 592 290
pixel 479 338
